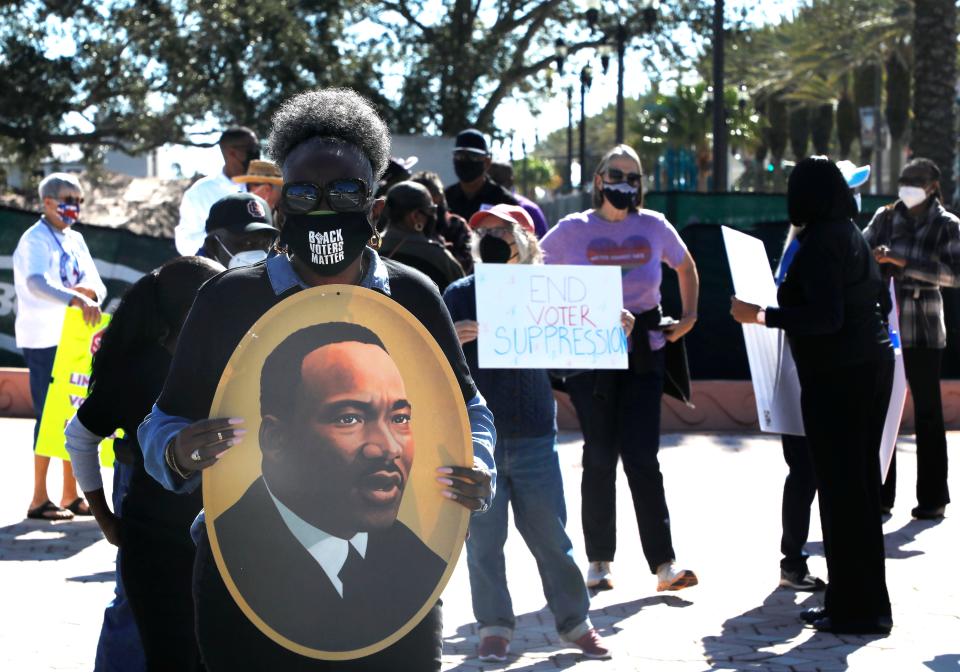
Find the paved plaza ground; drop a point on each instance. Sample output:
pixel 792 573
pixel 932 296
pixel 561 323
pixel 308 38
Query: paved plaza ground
pixel 724 494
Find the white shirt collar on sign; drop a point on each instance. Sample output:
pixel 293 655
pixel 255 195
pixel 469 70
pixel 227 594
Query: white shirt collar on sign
pixel 329 551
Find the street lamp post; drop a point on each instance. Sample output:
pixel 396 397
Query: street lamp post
pixel 586 79
pixel 621 37
pixel 569 180
pixel 719 111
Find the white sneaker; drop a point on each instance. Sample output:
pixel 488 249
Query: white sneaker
pixel 671 578
pixel 599 576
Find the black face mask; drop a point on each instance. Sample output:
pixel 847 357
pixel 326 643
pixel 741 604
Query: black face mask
pixel 621 196
pixel 467 171
pixel 494 250
pixel 327 241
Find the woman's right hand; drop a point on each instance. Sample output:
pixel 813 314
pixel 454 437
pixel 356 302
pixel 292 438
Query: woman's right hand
pixel 467 330
pixel 202 443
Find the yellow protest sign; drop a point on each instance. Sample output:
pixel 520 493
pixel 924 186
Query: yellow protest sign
pixel 68 385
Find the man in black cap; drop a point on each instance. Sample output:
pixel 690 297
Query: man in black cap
pixel 411 215
pixel 474 191
pixel 239 230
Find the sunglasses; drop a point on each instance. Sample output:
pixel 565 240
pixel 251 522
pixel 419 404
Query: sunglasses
pixel 349 194
pixel 469 156
pixel 615 175
pixel 69 200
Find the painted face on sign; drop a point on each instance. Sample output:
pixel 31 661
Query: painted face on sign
pixel 346 452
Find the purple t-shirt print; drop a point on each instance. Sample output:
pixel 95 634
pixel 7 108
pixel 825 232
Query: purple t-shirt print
pixel 585 238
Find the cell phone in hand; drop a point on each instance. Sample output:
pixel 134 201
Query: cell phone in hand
pixel 666 323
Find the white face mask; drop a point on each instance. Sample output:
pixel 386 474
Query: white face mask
pixel 247 258
pixel 912 196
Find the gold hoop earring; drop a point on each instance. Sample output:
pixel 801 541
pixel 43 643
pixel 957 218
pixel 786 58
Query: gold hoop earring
pixel 376 240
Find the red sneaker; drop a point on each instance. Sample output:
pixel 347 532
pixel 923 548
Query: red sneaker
pixel 493 649
pixel 592 645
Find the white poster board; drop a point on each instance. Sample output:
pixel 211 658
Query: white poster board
pixel 550 317
pixel 898 395
pixel 774 374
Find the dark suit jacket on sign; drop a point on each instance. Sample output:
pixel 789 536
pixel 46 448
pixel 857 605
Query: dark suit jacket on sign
pixel 287 588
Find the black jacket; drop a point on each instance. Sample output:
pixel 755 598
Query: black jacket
pixel 287 588
pixel 831 302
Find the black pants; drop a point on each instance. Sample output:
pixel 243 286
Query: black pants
pixel 230 642
pixel 799 489
pixel 156 567
pixel 619 414
pixel 843 413
pixel 923 375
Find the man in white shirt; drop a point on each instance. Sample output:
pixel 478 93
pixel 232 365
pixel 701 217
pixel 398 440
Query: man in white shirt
pixel 53 269
pixel 239 146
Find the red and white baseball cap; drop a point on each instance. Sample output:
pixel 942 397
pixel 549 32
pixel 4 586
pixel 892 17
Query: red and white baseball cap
pixel 512 214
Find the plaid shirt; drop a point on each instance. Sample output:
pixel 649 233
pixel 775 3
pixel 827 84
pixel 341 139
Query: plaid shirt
pixel 931 248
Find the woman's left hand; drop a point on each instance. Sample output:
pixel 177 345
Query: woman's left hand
pixel 677 331
pixel 627 320
pixel 743 312
pixel 468 486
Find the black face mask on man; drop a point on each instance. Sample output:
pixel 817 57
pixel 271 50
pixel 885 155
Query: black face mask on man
pixel 621 195
pixel 467 170
pixel 328 242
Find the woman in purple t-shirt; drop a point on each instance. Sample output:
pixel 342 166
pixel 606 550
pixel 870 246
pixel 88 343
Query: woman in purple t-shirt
pixel 619 411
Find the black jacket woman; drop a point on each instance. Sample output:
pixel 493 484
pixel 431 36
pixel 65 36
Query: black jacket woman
pixel 153 531
pixel 332 146
pixel 832 307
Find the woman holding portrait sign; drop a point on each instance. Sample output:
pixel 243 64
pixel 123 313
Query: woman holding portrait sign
pixel 619 411
pixel 332 147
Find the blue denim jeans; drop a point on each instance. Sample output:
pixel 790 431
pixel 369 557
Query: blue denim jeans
pixel 40 365
pixel 528 477
pixel 119 648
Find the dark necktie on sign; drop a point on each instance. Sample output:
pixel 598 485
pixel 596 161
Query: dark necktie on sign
pixel 351 572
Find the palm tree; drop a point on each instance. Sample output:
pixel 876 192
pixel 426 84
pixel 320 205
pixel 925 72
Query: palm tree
pixel 934 82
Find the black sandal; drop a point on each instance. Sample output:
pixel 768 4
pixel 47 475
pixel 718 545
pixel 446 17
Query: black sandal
pixel 49 511
pixel 75 507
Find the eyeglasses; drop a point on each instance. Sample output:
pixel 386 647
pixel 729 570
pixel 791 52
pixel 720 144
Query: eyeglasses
pixel 350 194
pixel 495 231
pixel 615 175
pixel 429 211
pixel 469 156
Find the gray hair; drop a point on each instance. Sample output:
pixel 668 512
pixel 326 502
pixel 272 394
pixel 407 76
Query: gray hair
pixel 54 183
pixel 339 115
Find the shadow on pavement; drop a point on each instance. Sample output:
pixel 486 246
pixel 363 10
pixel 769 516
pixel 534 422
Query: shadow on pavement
pixel 773 625
pixel 100 577
pixel 535 637
pixel 46 540
pixel 894 542
pixel 949 662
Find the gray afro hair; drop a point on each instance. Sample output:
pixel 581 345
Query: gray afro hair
pixel 341 115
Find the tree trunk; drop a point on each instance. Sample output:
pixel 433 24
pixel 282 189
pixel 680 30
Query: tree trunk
pixel 934 93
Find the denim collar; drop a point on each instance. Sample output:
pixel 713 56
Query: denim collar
pixel 283 278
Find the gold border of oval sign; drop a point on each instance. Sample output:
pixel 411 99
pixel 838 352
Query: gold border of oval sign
pixel 440 427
